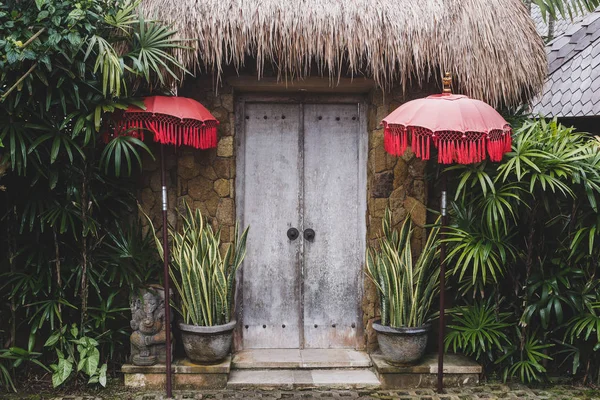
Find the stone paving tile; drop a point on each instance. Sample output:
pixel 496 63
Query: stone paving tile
pixel 484 392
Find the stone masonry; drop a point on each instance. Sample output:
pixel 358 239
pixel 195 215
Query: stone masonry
pixel 205 179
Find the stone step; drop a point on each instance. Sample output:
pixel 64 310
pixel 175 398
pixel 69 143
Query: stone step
pixel 458 371
pixel 302 378
pixel 300 359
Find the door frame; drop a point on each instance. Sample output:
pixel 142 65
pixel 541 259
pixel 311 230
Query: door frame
pixel 363 151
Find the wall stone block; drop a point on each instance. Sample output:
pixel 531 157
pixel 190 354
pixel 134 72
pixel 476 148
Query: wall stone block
pixel 383 185
pixel 220 114
pixel 207 171
pixel 226 211
pixel 417 211
pixel 225 147
pixel 222 187
pixel 400 172
pixel 222 168
pixel 186 166
pixel 200 188
pixel 378 207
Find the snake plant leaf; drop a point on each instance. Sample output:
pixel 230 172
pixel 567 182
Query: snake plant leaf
pixel 406 286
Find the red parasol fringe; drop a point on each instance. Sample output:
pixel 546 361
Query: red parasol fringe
pixel 199 137
pixel 464 148
pixel 507 142
pixel 395 140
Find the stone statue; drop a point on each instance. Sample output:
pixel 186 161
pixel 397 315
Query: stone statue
pixel 148 340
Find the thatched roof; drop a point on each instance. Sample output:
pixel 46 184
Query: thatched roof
pixel 491 46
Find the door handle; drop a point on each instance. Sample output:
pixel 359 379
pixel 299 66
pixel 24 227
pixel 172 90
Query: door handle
pixel 293 233
pixel 309 234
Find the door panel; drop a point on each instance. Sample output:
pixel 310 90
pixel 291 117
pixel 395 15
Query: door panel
pixel 332 208
pixel 271 205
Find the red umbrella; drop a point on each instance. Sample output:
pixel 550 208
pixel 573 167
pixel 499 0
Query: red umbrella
pixel 172 120
pixel 463 130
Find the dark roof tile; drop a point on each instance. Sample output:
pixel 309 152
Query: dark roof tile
pixel 586 96
pixel 566 110
pixel 587 108
pixel 577 106
pixel 576 97
pixel 577 36
pixel 559 42
pixel 594 25
pixel 573 84
pixel 595 50
pixel 594 36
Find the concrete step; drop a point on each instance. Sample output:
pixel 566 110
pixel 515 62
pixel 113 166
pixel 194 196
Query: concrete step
pixel 300 359
pixel 299 378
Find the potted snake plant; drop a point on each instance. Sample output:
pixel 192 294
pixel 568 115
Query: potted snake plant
pixel 406 288
pixel 205 283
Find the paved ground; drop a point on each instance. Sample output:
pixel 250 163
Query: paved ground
pixel 487 392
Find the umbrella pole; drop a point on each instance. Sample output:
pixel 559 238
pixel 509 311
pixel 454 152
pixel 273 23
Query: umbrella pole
pixel 440 376
pixel 165 237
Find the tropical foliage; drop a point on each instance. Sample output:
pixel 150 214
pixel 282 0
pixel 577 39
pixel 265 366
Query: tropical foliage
pixel 478 331
pixel 564 8
pixel 70 249
pixel 526 231
pixel 406 286
pixel 205 280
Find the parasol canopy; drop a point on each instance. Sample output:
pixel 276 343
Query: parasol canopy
pixel 172 120
pixel 464 130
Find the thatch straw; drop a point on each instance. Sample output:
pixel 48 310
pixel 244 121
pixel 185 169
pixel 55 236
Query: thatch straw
pixel 490 46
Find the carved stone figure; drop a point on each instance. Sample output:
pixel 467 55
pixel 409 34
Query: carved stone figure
pixel 148 340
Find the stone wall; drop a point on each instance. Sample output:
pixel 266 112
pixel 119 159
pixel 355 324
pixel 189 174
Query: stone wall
pixel 205 179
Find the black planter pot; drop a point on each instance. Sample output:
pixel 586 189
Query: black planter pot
pixel 402 346
pixel 207 344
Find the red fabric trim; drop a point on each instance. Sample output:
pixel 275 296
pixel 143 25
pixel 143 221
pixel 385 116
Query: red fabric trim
pixel 452 146
pixel 167 129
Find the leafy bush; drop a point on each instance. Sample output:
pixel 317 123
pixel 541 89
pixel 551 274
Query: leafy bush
pixel 524 230
pixel 68 67
pixel 73 349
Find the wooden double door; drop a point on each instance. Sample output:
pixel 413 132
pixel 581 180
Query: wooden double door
pixel 301 174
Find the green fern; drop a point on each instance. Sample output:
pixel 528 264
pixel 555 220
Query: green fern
pixel 477 330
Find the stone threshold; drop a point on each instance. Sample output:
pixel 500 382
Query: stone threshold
pixel 303 378
pixel 300 359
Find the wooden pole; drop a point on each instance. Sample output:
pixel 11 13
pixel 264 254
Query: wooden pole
pixel 440 376
pixel 165 237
